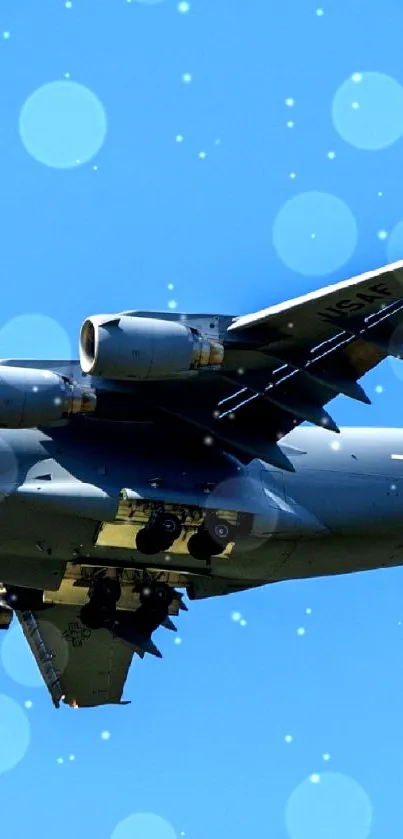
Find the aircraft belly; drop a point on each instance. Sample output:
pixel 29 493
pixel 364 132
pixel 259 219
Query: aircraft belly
pixel 27 529
pixel 349 503
pixel 41 519
pixel 90 501
pixel 342 555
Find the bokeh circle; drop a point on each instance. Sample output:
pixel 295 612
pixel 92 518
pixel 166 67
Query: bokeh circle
pixel 394 247
pixel 15 733
pixel 315 233
pixel 367 110
pixel 18 660
pixel 62 124
pixel 143 826
pixel 329 806
pixel 261 513
pixel 34 336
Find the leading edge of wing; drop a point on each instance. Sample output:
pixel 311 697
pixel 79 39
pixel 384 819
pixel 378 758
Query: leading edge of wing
pixel 390 275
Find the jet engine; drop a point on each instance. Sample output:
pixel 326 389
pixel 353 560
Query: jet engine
pixel 125 347
pixel 31 398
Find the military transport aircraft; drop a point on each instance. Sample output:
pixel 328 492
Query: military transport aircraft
pixel 169 460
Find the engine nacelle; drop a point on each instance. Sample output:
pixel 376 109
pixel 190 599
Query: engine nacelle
pixel 31 398
pixel 124 347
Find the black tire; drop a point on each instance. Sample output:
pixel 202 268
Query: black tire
pixel 156 595
pixel 167 526
pixel 105 591
pixel 200 547
pixel 221 532
pixel 94 616
pixel 147 543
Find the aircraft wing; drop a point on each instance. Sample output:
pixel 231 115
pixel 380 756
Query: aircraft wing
pixel 282 365
pixel 80 667
pixel 309 313
pixel 274 369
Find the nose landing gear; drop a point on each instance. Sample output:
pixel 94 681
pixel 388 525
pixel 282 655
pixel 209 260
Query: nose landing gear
pixel 159 534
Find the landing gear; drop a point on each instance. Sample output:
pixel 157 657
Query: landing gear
pixel 201 546
pixel 211 539
pixel 159 534
pixel 220 531
pixel 155 600
pixel 135 628
pixel 155 595
pixel 100 611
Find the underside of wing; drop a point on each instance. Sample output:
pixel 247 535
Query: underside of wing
pixel 284 364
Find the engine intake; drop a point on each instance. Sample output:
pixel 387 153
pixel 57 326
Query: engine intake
pixel 124 347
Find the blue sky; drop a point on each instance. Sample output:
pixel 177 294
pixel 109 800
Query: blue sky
pixel 217 156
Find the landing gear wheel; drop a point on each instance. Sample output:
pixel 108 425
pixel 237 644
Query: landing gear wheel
pixel 93 617
pixel 159 534
pixel 211 539
pixel 146 542
pixel 167 525
pixel 154 595
pixel 104 593
pixel 201 546
pixel 105 590
pixel 220 531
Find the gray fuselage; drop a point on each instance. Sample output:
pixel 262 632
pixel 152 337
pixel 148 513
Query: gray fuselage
pixel 340 511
